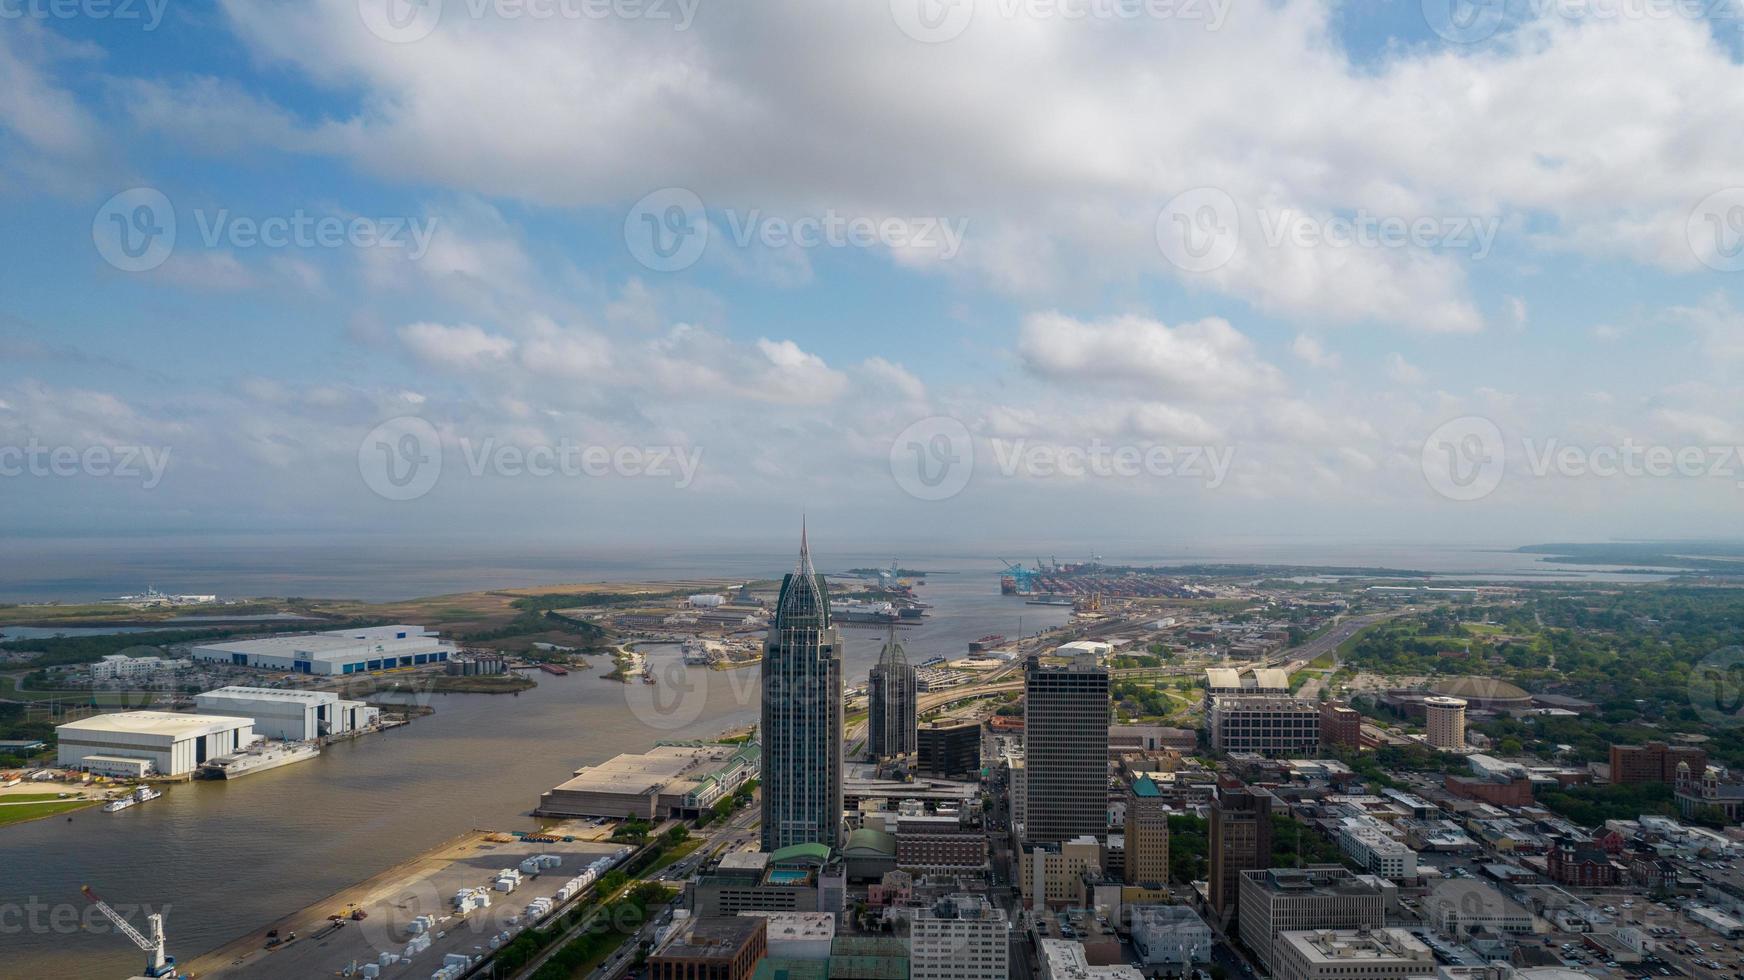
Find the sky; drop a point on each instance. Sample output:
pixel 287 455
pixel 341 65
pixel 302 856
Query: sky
pixel 1122 271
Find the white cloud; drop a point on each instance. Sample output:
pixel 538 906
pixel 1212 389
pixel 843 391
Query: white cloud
pixel 1403 372
pixel 456 347
pixel 1204 359
pixel 1312 352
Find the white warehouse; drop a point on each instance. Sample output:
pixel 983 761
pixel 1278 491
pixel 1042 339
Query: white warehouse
pixel 174 744
pixel 294 715
pixel 356 651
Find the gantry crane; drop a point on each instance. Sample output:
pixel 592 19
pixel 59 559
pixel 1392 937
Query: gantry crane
pixel 156 963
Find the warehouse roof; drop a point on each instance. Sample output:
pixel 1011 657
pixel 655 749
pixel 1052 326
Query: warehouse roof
pixel 272 694
pixel 318 643
pixel 167 723
pixel 869 839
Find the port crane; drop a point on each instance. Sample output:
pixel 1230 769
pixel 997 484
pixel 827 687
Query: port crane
pixel 156 963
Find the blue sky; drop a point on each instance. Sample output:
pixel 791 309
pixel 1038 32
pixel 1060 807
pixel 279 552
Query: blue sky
pixel 1573 173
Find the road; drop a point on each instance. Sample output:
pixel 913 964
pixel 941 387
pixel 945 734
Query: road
pixel 735 831
pixel 1329 642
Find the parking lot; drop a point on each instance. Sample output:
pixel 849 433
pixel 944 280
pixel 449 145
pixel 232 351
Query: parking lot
pixel 390 902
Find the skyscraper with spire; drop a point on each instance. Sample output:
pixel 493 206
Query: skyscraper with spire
pixel 802 714
pixel 891 688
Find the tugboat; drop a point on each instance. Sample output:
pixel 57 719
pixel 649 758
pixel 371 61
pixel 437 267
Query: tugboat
pixel 140 795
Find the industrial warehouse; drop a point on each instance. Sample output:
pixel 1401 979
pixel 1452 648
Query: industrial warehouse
pixel 356 651
pixel 293 715
pixel 678 779
pixel 135 743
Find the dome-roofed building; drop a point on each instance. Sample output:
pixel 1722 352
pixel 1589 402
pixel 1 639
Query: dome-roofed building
pixel 1482 693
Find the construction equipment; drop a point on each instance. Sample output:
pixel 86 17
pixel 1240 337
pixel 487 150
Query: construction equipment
pixel 156 963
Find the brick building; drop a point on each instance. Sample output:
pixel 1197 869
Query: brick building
pixel 1654 762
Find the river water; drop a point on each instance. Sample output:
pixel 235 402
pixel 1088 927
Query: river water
pixel 223 859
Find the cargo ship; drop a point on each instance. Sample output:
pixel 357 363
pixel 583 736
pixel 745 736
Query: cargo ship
pixel 140 795
pixel 863 612
pixel 991 641
pixel 1050 599
pixel 554 669
pixel 258 758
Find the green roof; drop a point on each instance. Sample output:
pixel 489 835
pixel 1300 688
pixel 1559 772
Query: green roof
pixel 869 967
pixel 876 840
pixel 1145 786
pixel 801 852
pixel 781 968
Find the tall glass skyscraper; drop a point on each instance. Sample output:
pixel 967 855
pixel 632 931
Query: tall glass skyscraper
pixel 802 714
pixel 890 702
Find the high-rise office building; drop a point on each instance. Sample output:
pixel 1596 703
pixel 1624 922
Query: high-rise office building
pixel 890 703
pixel 802 714
pixel 1240 839
pixel 1065 750
pixel 962 937
pixel 1147 833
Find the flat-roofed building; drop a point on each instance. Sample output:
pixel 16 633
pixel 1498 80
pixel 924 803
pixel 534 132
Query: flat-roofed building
pixel 1269 725
pixel 1444 719
pixel 175 744
pixel 1170 937
pixel 950 748
pixel 293 715
pixel 1062 959
pixel 1239 839
pixel 1279 900
pixel 961 937
pixel 671 779
pixel 1377 847
pixel 711 948
pixel 1367 954
pixel 1065 750
pixel 356 651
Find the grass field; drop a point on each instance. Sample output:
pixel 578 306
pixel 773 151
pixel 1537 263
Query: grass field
pixel 11 813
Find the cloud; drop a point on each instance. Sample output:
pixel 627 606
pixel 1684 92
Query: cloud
pixel 1312 352
pixel 1403 372
pixel 456 347
pixel 1204 359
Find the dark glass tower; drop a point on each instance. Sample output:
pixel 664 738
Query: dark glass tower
pixel 802 715
pixel 1065 747
pixel 890 703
